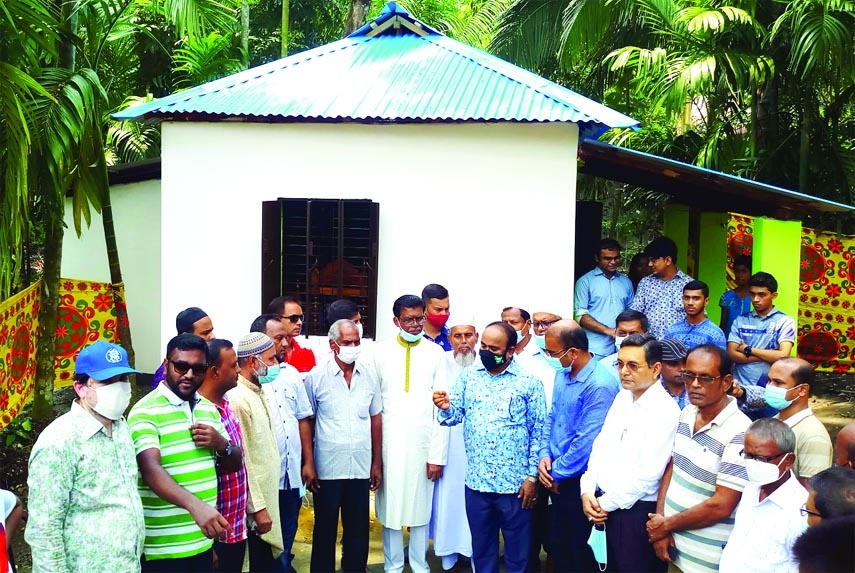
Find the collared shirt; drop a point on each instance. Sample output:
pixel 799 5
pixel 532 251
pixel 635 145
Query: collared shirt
pixel 735 306
pixel 814 452
pixel 764 531
pixel 579 408
pixel 287 403
pixel 631 451
pixel 162 420
pixel 767 332
pixel 661 301
pixel 609 364
pixel 692 335
pixel 441 338
pixel 343 420
pixel 303 359
pixel 231 486
pixel 703 460
pixel 533 359
pixel 681 400
pixel 503 425
pixel 603 298
pixel 85 512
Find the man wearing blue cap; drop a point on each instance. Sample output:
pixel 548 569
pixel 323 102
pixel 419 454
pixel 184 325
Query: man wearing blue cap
pixel 85 512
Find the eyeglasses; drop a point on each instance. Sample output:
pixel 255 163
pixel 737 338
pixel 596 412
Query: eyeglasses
pixel 543 323
pixel 610 259
pixel 805 512
pixel 412 320
pixel 184 367
pixel 295 317
pixel 689 377
pixel 559 354
pixel 764 459
pixel 633 366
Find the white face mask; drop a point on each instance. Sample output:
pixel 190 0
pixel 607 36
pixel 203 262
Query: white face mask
pixel 348 354
pixel 359 329
pixel 619 340
pixel 761 473
pixel 113 399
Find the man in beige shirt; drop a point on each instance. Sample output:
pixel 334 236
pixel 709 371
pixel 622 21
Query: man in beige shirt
pixel 258 365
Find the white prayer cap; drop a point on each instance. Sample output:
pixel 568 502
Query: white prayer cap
pixel 458 319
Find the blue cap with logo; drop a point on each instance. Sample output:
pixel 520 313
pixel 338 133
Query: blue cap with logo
pixel 102 360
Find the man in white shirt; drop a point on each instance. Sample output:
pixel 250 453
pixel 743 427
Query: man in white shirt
pixel 768 519
pixel 629 456
pixel 289 409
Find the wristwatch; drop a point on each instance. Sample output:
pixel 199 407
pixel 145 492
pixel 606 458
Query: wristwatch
pixel 227 453
pixel 532 479
pixel 747 351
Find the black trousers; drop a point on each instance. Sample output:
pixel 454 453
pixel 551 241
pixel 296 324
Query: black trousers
pixel 570 550
pixel 260 553
pixel 199 563
pixel 541 528
pixel 626 541
pixel 350 497
pixel 230 556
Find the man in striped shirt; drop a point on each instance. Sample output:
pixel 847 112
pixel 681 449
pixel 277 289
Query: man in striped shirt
pixel 221 377
pixel 178 437
pixel 704 480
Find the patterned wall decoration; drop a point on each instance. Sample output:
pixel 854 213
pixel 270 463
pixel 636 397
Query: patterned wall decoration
pixel 86 313
pixel 826 321
pixel 18 329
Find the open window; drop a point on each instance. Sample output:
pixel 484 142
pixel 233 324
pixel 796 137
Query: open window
pixel 318 251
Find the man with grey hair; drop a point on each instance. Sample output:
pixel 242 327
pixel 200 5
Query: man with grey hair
pixel 771 503
pixel 346 461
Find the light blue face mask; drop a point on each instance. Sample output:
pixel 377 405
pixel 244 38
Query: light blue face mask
pixel 407 337
pixel 597 541
pixel 302 490
pixel 540 340
pixel 776 397
pixel 555 362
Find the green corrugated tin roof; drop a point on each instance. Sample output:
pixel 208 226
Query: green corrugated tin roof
pixel 395 69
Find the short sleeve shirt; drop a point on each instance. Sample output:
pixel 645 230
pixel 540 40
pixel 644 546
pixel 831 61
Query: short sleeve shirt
pixel 767 332
pixel 603 298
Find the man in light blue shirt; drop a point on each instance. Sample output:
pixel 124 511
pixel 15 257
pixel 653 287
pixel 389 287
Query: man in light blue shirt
pixel 581 398
pixel 504 411
pixel 601 295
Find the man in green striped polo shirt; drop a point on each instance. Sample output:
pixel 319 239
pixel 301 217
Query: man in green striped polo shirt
pixel 179 441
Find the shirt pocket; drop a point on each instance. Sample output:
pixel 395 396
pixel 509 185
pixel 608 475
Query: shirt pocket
pixel 512 410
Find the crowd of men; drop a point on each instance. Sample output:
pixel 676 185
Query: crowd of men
pixel 622 440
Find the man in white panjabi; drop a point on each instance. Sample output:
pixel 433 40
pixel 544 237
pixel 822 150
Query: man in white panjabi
pixel 449 527
pixel 409 368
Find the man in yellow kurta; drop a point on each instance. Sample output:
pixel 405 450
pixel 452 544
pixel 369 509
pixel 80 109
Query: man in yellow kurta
pixel 256 355
pixel 409 368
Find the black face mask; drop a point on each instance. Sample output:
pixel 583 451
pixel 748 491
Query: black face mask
pixel 492 361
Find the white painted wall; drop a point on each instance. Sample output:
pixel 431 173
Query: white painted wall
pixel 136 212
pixel 485 209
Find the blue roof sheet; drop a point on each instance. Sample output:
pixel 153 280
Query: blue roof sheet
pixel 398 73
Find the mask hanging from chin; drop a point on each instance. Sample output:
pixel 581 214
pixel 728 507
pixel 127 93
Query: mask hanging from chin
pixel 407 337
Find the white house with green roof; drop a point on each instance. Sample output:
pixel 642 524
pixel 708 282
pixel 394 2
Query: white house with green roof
pixel 364 169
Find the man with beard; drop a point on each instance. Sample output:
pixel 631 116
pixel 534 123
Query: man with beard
pixel 258 366
pixel 503 411
pixel 180 440
pixel 448 525
pixel 289 409
pixel 696 328
pixel 409 368
pixel 231 485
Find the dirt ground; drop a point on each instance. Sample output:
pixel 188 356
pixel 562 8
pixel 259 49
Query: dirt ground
pixel 833 402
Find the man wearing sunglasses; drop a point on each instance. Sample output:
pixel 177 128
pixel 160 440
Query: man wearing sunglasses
pixel 771 503
pixel 291 313
pixel 706 475
pixel 180 440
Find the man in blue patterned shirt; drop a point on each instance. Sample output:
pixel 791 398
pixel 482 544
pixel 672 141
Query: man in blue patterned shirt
pixel 504 412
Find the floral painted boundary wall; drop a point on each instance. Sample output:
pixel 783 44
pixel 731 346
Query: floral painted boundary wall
pixel 826 321
pixel 86 313
pixel 19 323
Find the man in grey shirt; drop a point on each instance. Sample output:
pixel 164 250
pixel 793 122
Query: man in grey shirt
pixel 347 459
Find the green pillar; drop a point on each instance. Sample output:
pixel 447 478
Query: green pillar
pixel 675 226
pixel 777 250
pixel 712 258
